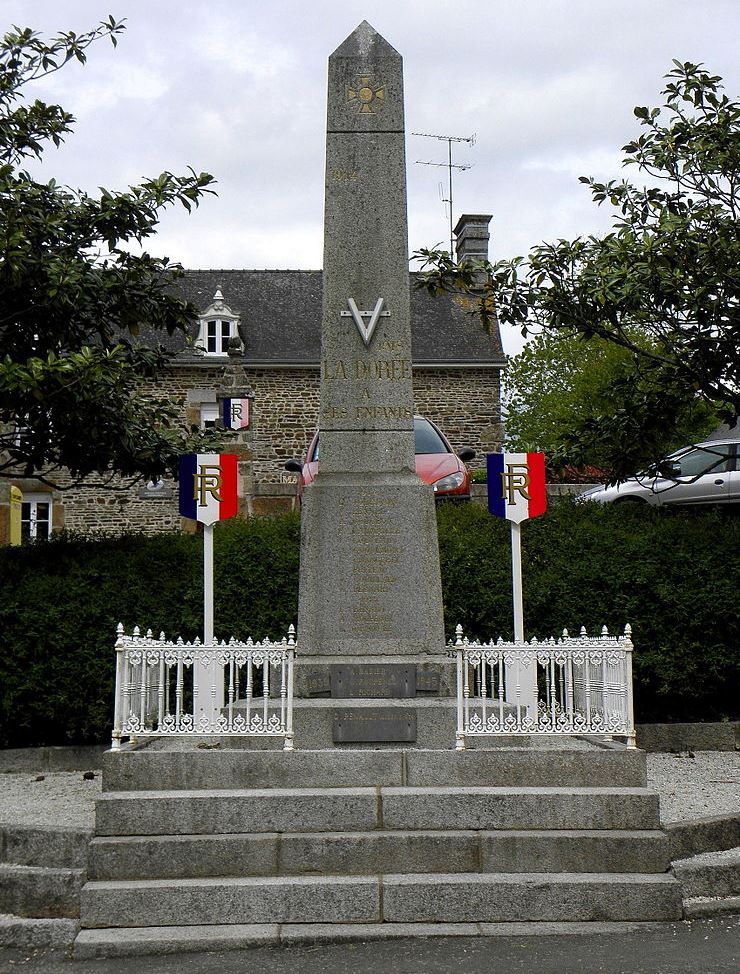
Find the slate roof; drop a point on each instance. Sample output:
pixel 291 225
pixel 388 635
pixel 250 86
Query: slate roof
pixel 281 319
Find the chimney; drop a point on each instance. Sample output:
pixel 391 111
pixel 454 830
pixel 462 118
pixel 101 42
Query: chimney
pixel 472 236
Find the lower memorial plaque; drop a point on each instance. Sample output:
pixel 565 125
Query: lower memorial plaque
pixel 367 726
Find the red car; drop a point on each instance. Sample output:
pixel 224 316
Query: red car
pixel 436 463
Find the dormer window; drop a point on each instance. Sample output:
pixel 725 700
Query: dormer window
pixel 218 333
pixel 218 324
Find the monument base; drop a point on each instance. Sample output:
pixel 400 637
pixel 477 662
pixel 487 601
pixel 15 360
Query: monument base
pixel 369 533
pixel 194 842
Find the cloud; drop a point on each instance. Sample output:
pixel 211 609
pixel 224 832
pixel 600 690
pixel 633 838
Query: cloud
pixel 238 88
pixel 595 162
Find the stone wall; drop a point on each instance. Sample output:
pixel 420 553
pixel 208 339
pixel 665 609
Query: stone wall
pixel 464 402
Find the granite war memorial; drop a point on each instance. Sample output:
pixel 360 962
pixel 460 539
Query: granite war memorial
pixel 368 823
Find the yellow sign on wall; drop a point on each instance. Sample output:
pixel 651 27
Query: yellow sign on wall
pixel 16 500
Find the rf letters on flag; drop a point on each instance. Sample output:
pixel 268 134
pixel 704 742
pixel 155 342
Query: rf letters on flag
pixel 236 414
pixel 517 491
pixel 516 485
pixel 208 486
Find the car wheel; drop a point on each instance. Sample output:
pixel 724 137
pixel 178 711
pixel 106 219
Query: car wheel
pixel 630 502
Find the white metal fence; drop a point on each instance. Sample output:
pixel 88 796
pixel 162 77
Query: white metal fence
pixel 572 685
pixel 190 689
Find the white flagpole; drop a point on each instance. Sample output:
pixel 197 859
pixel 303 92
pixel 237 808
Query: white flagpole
pixel 516 580
pixel 207 584
pixel 209 694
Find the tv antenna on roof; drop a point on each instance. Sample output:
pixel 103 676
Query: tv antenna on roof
pixel 449 165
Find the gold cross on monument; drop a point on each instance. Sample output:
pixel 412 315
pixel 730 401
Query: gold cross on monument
pixel 365 93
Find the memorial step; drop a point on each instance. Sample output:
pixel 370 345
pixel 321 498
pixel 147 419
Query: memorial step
pixel 40 891
pixel 146 941
pixel 397 898
pixel 372 853
pixel 232 763
pixel 40 845
pixel 364 809
pixel 710 874
pixel 31 932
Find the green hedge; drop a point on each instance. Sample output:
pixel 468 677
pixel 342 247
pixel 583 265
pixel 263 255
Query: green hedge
pixel 672 575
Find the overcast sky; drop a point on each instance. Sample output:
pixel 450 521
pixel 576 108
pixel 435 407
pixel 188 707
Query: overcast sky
pixel 238 88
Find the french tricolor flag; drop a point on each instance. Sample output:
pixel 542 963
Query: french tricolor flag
pixel 208 486
pixel 516 485
pixel 236 414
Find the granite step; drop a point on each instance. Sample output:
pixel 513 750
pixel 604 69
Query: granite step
pixel 577 765
pixel 371 853
pixel 699 907
pixel 37 845
pixel 397 898
pixel 710 874
pixel 25 932
pixel 152 941
pixel 40 891
pixel 366 809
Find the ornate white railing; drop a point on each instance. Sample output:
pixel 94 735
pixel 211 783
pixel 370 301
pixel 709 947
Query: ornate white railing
pixel 572 685
pixel 190 689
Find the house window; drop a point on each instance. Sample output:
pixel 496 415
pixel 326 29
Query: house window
pixel 209 415
pixel 218 324
pixel 35 517
pixel 218 333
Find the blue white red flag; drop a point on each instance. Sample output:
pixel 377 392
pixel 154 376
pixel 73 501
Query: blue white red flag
pixel 236 414
pixel 516 485
pixel 208 486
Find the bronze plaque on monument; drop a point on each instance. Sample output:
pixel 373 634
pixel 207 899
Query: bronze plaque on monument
pixel 366 726
pixel 380 680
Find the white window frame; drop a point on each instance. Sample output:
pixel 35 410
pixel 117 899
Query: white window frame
pixel 33 499
pixel 218 331
pixel 209 415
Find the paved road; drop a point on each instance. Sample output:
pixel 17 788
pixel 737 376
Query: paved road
pixel 699 947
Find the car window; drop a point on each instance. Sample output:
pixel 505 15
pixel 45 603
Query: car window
pixel 703 460
pixel 427 439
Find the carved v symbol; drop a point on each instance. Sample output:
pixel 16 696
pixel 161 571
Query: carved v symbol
pixel 366 330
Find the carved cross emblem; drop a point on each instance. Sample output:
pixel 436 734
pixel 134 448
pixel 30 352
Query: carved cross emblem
pixel 367 94
pixel 366 330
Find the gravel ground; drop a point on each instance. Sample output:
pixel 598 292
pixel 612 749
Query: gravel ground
pixel 62 798
pixel 689 787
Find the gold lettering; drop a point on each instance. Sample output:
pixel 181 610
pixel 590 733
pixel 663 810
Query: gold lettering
pixel 336 369
pixel 383 412
pixel 208 481
pixel 515 481
pixel 344 175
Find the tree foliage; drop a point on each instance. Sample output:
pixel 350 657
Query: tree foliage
pixel 556 386
pixel 74 297
pixel 664 284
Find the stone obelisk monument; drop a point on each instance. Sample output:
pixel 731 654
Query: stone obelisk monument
pixel 370 581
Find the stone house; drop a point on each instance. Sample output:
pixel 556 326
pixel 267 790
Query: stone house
pixel 258 338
